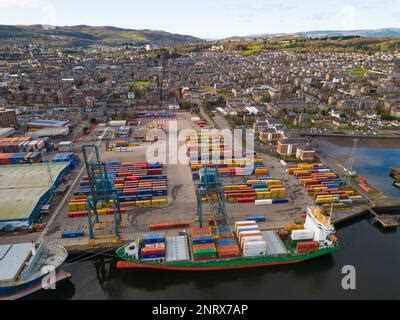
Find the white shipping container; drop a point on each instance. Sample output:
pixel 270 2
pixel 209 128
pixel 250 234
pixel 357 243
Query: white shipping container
pixel 248 234
pixel 240 223
pixel 121 123
pixel 302 234
pixel 41 144
pixel 177 249
pixel 155 245
pixel 263 202
pixel 256 248
pixel 255 244
pixel 247 228
pixel 250 239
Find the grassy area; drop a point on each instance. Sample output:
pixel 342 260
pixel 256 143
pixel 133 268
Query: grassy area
pixel 227 95
pixel 140 83
pixel 359 73
pixel 252 49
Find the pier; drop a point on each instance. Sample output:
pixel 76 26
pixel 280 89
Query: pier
pixel 388 217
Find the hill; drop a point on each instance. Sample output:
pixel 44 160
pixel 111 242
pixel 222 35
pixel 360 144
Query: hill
pixel 89 35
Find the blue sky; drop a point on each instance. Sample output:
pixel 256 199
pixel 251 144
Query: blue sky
pixel 208 18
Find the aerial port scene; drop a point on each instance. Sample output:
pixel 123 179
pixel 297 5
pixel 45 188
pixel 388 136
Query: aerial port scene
pixel 240 151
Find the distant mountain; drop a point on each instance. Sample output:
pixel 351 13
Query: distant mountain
pixel 88 35
pixel 385 32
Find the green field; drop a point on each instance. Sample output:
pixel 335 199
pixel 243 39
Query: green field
pixel 252 49
pixel 140 83
pixel 357 72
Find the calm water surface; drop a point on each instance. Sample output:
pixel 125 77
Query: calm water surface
pixel 373 160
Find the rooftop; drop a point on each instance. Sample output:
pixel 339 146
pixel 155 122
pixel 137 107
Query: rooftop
pixel 48 123
pixel 11 259
pixel 22 186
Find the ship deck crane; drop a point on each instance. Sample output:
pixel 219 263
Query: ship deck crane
pixel 102 192
pixel 211 186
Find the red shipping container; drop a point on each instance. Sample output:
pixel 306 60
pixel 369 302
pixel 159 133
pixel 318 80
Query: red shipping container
pixel 201 230
pixel 152 251
pixel 307 247
pixel 77 214
pixel 246 200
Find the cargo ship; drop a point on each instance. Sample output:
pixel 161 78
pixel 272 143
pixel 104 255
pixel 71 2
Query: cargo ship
pixel 29 267
pixel 247 247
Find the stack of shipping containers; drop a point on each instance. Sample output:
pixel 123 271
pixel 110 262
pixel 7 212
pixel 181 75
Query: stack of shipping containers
pixel 203 241
pixel 250 238
pixel 137 184
pixel 324 185
pixel 153 247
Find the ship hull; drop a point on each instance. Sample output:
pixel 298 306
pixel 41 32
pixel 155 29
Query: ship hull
pixel 221 265
pixel 18 291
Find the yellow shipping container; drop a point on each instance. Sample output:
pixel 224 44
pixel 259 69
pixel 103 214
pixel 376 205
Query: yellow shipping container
pixel 80 197
pixel 80 206
pixel 144 203
pixel 261 171
pixel 263 195
pixel 102 211
pixel 159 202
pixel 281 193
pixel 73 207
pixel 294 227
pixel 273 182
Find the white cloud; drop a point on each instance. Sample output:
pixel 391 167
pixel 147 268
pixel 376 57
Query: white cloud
pixel 23 3
pixel 349 17
pixel 47 10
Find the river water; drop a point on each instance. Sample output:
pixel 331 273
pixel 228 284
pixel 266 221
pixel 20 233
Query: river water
pixel 373 159
pixel 373 252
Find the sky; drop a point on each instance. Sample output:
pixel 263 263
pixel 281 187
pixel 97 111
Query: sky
pixel 208 19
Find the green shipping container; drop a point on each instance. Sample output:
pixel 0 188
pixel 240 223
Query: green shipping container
pixel 205 253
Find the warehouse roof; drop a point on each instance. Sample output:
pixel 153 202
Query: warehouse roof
pixel 23 186
pixel 48 123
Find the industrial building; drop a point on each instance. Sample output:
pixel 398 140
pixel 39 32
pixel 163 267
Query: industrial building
pixel 47 124
pixel 8 118
pixel 24 189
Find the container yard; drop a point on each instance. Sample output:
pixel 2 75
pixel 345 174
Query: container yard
pixel 245 174
pixel 22 144
pixel 327 189
pixel 137 185
pixel 20 158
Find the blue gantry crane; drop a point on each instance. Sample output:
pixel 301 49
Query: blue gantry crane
pixel 211 186
pixel 102 191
